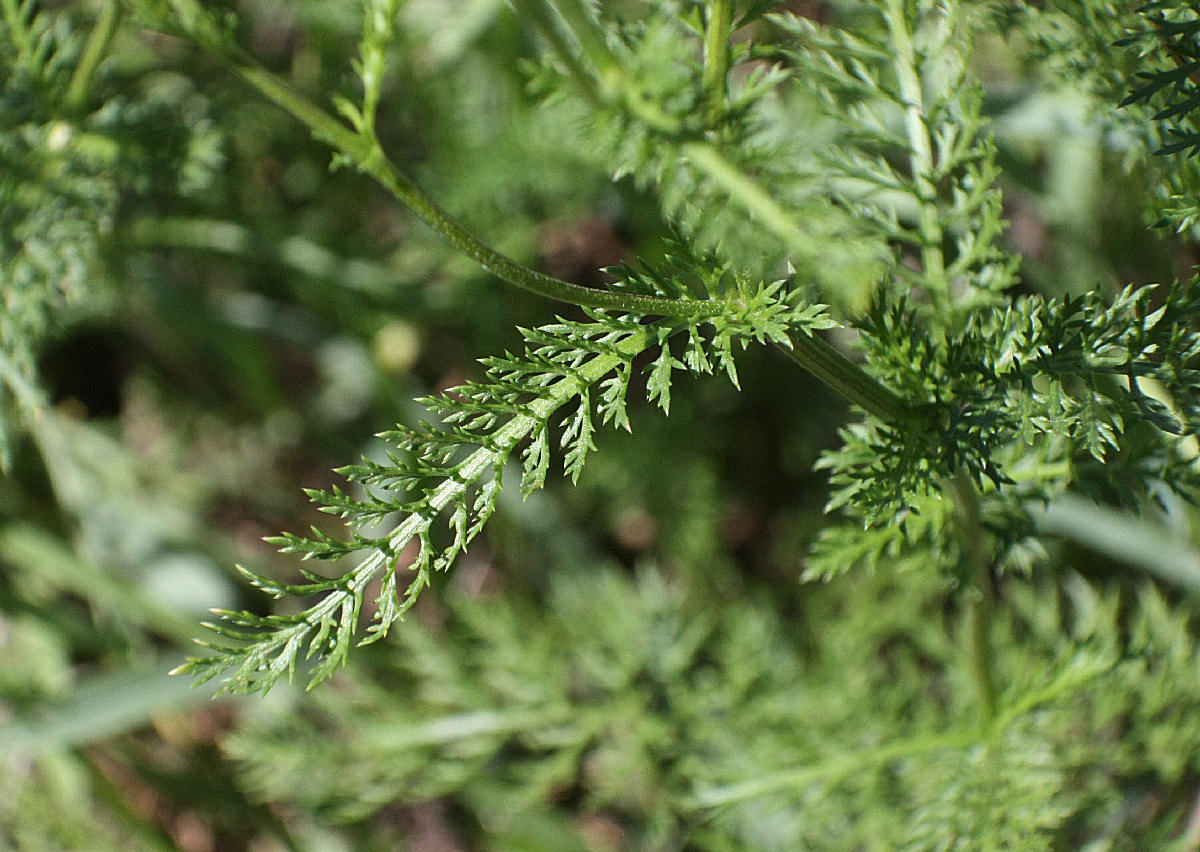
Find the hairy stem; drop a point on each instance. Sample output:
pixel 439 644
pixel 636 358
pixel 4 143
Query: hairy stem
pixel 93 54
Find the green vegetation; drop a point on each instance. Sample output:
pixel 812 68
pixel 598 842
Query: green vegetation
pixel 891 546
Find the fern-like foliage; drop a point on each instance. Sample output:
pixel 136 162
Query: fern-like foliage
pixel 1077 371
pixel 913 160
pixel 1006 397
pixel 1047 386
pixel 915 163
pixel 440 483
pixel 691 739
pixel 727 179
pixel 1167 98
pixel 1142 56
pixel 1173 30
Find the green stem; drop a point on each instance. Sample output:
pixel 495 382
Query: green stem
pixel 1133 539
pixel 614 90
pixel 93 54
pixel 364 151
pixel 377 32
pixel 933 262
pixel 979 594
pixel 256 672
pixel 845 377
pixel 716 57
pixel 362 148
pixel 810 352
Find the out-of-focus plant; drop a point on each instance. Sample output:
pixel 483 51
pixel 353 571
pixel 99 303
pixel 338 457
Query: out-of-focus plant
pixel 830 185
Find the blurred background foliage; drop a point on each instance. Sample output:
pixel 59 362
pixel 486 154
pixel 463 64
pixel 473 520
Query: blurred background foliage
pixel 201 318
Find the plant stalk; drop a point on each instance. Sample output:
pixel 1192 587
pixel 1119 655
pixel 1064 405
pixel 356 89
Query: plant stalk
pixel 93 54
pixel 364 151
pixel 850 381
pixel 841 765
pixel 591 38
pixel 716 57
pixel 933 262
pixel 609 87
pixel 980 603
